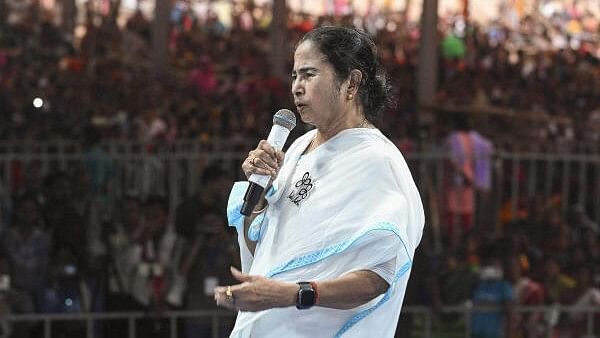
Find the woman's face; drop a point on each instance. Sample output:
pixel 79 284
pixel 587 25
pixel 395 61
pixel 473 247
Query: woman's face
pixel 315 88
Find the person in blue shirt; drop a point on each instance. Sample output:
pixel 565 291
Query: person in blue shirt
pixel 493 290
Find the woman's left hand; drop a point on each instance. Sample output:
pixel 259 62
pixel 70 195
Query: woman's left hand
pixel 255 293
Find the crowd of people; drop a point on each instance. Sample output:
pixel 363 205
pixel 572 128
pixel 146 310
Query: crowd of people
pixel 219 82
pixel 541 259
pixel 65 249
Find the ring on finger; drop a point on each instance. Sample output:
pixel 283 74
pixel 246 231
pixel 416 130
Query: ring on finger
pixel 229 295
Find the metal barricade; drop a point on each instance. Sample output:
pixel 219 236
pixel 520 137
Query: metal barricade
pixel 131 318
pixel 426 330
pixel 517 179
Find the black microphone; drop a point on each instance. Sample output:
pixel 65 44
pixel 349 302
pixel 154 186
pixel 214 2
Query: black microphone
pixel 283 122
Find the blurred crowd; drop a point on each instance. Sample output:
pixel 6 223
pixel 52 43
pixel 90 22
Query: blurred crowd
pixel 66 248
pixel 219 82
pixel 541 258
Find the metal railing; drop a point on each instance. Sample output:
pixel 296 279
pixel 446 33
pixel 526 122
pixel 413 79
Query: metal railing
pixel 464 313
pixel 517 179
pixel 131 317
pixel 221 143
pixel 59 147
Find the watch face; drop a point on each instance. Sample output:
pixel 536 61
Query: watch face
pixel 307 297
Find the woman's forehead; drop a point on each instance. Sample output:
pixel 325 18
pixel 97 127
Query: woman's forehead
pixel 308 53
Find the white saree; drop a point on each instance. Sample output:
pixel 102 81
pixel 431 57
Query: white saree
pixel 350 204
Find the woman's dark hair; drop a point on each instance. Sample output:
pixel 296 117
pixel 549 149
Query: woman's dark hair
pixel 347 49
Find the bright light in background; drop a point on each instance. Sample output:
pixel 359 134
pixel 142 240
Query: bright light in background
pixel 37 102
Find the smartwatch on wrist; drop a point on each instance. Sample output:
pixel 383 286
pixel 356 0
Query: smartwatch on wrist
pixel 307 295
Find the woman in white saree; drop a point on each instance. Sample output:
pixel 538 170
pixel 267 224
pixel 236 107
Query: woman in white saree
pixel 328 250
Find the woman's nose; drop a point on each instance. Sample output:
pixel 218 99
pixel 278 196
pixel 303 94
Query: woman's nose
pixel 297 88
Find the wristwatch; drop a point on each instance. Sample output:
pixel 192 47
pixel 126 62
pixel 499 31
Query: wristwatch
pixel 307 295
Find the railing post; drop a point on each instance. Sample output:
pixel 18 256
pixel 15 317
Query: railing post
pixel 549 314
pixel 498 188
pixel 131 322
pixel 215 326
pixel 583 184
pixel 532 178
pixel 8 173
pixel 566 186
pixel 173 326
pixel 596 215
pixel 468 309
pixel 89 327
pixel 590 324
pixel 427 323
pixel 514 187
pixel 549 178
pixel 174 188
pixel 47 329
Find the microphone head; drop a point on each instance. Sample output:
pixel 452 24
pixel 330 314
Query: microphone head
pixel 285 118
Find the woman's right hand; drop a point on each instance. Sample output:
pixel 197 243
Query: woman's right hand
pixel 264 160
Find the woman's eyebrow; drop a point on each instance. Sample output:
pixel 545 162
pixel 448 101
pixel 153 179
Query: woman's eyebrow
pixel 303 70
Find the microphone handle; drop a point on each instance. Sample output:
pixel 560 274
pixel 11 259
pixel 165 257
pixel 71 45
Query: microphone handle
pixel 251 198
pixel 258 183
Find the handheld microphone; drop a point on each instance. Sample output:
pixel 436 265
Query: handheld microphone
pixel 283 122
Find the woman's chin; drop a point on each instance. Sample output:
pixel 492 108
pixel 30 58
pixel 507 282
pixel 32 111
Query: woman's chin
pixel 304 117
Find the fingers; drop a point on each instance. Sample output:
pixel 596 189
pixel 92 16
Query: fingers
pixel 264 160
pixel 234 297
pixel 237 274
pixel 222 299
pixel 280 156
pixel 260 163
pixel 256 293
pixel 264 145
pixel 268 155
pixel 254 165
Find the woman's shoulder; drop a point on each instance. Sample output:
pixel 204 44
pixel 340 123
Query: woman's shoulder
pixel 376 145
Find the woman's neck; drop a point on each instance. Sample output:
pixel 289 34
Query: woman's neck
pixel 324 133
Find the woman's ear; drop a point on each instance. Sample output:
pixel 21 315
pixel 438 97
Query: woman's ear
pixel 355 79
